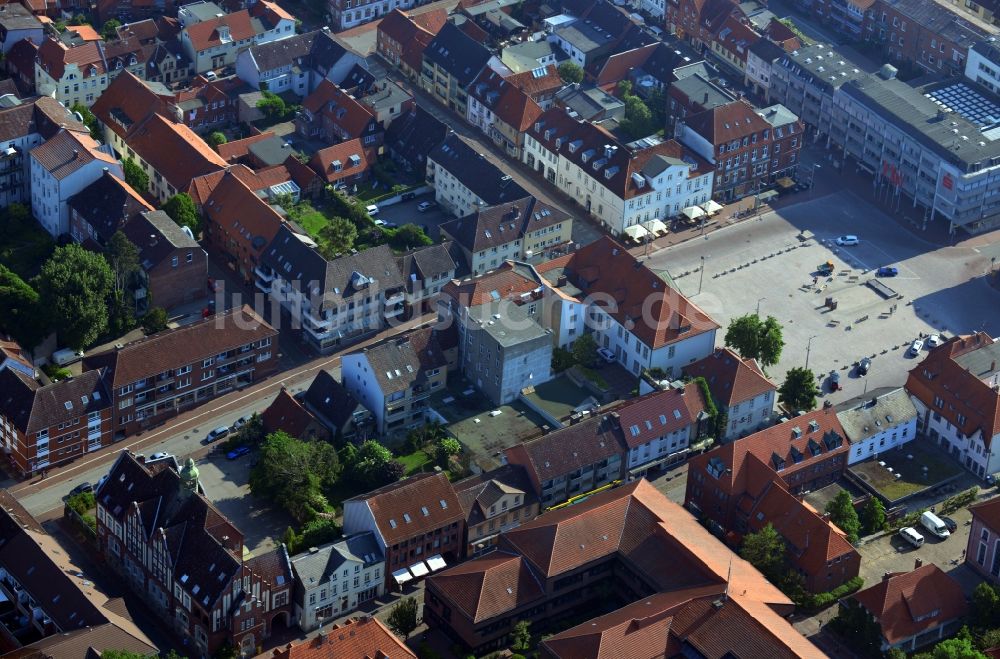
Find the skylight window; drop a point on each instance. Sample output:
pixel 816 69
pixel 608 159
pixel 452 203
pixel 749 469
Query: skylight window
pixel 406 518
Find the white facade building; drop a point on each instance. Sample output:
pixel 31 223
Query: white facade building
pixel 879 424
pixel 983 65
pixel 335 579
pixel 62 167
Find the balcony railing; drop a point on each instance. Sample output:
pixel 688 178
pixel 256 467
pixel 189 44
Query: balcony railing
pixel 391 312
pixel 394 298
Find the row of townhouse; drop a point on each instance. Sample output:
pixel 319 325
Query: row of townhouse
pixel 131 387
pixel 943 162
pixel 212 39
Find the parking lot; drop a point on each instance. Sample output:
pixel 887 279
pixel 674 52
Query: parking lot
pixel 406 212
pixel 764 261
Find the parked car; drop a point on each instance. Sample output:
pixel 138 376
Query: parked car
pixel 66 356
pixel 848 241
pixel 425 206
pixel 379 223
pixel 159 455
pixel 950 524
pixel 238 423
pixel 216 435
pixel 606 355
pixel 237 452
pixel 81 488
pixel 915 348
pixel 372 209
pixel 834 381
pixel 390 225
pixel 934 524
pixel 887 271
pixel 864 366
pixel 910 534
pixel 934 340
pixel 406 196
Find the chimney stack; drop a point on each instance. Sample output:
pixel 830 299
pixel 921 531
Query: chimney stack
pixel 886 575
pixel 917 563
pixel 76 154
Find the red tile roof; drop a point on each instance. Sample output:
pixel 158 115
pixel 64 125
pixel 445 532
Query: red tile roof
pixel 247 218
pixel 988 512
pixel 126 102
pixel 172 348
pixel 174 150
pixel 654 415
pixel 54 56
pixel 413 33
pixel 67 151
pixel 899 602
pixel 619 65
pixel 655 313
pixel 540 85
pixel 488 587
pixel 941 375
pixel 730 378
pixel 399 508
pixel 286 413
pixel 360 638
pixel 202 187
pixel 819 431
pixel 232 151
pixel 726 123
pixel 736 37
pixel 12 350
pixel 508 102
pixel 324 161
pixel 474 291
pixel 205 35
pixel 85 32
pixel 340 109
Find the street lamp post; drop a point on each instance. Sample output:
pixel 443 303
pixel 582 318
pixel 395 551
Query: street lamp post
pixel 809 348
pixel 701 276
pixel 758 305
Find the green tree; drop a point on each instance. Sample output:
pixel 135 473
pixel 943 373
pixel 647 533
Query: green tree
pixel 123 258
pixel 756 339
pixel 272 105
pixel 374 466
pixel 294 473
pixel 855 623
pixel 217 138
pixel 109 31
pixel 624 89
pixel 75 285
pixel 571 72
pixel 408 236
pixel 765 550
pixel 154 321
pixel 182 210
pixel 585 350
pixel 21 314
pixel 135 177
pixel 988 639
pixel 799 390
pixel 447 447
pixel 895 653
pixel 873 518
pixel 985 606
pixel 89 120
pixel 842 513
pixel 957 648
pixel 337 237
pixel 638 118
pixel 402 618
pixel 521 636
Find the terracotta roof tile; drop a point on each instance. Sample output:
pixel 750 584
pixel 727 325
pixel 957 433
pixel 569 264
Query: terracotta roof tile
pixel 287 414
pixel 656 414
pixel 900 601
pixel 655 313
pixel 730 378
pixel 398 508
pixel 68 151
pixel 174 150
pixel 236 149
pixel 537 84
pixel 726 123
pixel 54 55
pixel 342 160
pixel 361 638
pixel 490 586
pixel 247 218
pixel 506 281
pixel 340 109
pixel 126 102
pixel 205 35
pixel 154 354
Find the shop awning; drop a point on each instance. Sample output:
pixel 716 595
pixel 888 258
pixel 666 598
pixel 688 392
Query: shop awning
pixel 785 182
pixel 711 206
pixel 693 212
pixel 636 232
pixel 419 569
pixel 655 226
pixel 767 196
pixel 436 563
pixel 402 576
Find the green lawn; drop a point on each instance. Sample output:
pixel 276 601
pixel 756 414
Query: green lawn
pixel 415 462
pixel 913 477
pixel 309 219
pixel 27 251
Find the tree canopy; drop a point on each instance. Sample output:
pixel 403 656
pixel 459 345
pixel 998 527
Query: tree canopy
pixel 843 514
pixel 294 473
pixel 756 339
pixel 216 138
pixel 123 258
pixel 135 177
pixel 584 350
pixel 402 618
pixel 337 237
pixel 182 210
pixel 109 31
pixel 21 315
pixel 765 550
pixel 75 285
pixel 873 517
pixel 272 105
pixel 371 465
pixel 407 237
pixel 799 390
pixel 571 72
pixel 89 120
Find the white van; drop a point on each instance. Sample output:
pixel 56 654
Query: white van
pixel 933 523
pixel 66 356
pixel 910 534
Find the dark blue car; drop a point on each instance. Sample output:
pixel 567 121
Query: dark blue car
pixel 237 452
pixel 887 271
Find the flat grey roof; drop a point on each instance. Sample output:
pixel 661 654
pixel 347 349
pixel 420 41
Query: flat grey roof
pixel 513 326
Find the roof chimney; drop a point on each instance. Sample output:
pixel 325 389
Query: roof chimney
pixel 917 563
pixel 76 154
pixel 886 576
pixel 705 102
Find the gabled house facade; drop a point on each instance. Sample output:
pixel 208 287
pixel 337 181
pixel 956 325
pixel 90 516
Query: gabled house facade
pixel 452 60
pixel 660 427
pixel 212 41
pixel 296 64
pixel 174 266
pixel 740 390
pixel 465 181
